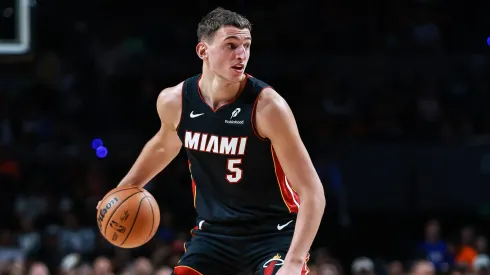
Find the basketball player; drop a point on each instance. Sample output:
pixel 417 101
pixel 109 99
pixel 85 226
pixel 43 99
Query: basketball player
pixel 250 170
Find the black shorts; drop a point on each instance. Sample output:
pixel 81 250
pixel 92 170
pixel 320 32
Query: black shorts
pixel 225 250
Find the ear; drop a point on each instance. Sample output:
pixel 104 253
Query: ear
pixel 201 50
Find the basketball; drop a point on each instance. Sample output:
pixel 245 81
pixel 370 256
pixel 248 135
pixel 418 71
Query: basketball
pixel 128 216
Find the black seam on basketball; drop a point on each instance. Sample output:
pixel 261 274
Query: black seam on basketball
pixel 134 221
pixel 152 220
pixel 117 191
pixel 113 212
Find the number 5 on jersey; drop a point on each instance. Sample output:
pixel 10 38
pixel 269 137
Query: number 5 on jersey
pixel 235 172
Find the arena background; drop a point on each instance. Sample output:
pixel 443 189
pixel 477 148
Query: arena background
pixel 391 99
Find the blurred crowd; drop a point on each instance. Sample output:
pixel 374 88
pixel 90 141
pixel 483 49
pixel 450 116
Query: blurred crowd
pixel 419 73
pixel 404 72
pixel 71 249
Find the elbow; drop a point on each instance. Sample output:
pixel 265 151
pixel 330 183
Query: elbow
pixel 316 204
pixel 319 196
pixel 316 198
pixel 321 201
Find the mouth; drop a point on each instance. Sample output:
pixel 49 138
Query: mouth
pixel 239 68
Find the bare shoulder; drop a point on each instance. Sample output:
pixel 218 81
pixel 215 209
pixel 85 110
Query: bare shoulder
pixel 170 97
pixel 270 101
pixel 272 113
pixel 169 105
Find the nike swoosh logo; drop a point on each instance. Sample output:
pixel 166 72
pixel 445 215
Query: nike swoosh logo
pixel 281 227
pixel 195 115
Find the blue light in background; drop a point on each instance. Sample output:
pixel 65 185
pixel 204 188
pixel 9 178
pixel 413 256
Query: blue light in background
pixel 101 152
pixel 96 143
pixel 488 41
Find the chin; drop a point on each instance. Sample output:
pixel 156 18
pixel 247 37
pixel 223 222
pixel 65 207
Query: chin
pixel 236 76
pixel 231 76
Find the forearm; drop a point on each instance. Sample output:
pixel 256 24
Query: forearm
pixel 308 221
pixel 154 157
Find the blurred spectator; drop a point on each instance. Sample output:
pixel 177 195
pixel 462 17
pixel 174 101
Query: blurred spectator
pixel 70 263
pixel 363 266
pixel 423 268
pixel 29 239
pixel 466 252
pixel 102 266
pixel 33 204
pixel 74 238
pixel 328 269
pixel 481 265
pixel 38 269
pixel 17 267
pixel 433 248
pixel 165 270
pixel 481 244
pixel 142 266
pixel 395 268
pixel 9 251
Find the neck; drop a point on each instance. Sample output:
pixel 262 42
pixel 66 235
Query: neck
pixel 216 90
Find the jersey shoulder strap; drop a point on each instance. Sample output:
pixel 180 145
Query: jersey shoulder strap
pixel 258 85
pixel 190 86
pixel 253 88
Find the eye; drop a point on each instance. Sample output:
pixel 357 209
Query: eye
pixel 231 46
pixel 247 46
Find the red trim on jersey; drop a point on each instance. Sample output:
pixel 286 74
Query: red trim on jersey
pixel 194 191
pixel 185 270
pixel 192 230
pixel 290 197
pixel 242 87
pixel 252 119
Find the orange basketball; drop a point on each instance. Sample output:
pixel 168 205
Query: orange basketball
pixel 128 216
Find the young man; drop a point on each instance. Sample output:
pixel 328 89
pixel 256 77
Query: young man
pixel 249 167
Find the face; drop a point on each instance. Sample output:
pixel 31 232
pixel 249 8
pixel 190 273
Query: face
pixel 395 268
pixel 143 266
pixel 481 244
pixel 467 235
pixel 424 269
pixel 327 269
pixel 38 269
pixel 164 271
pixel 432 229
pixel 227 53
pixel 102 266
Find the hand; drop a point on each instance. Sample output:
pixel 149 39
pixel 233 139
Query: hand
pixel 291 269
pixel 98 204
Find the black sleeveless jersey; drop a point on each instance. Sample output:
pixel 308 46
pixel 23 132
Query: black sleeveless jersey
pixel 236 176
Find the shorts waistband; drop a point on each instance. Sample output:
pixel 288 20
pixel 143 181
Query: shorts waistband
pixel 246 228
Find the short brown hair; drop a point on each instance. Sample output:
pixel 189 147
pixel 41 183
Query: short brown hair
pixel 218 18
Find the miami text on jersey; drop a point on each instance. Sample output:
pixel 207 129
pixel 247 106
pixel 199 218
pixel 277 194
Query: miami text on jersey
pixel 204 142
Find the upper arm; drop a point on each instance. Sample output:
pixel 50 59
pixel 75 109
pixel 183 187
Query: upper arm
pixel 169 108
pixel 275 121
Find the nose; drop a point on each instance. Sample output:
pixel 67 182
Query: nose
pixel 241 53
